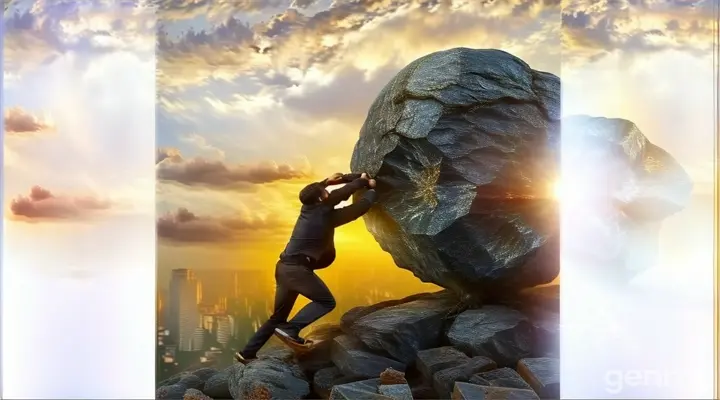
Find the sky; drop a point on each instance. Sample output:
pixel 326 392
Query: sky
pixel 257 99
pixel 234 106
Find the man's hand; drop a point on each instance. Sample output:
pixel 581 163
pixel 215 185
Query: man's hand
pixel 334 179
pixel 372 183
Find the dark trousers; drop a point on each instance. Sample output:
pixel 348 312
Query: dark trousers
pixel 292 280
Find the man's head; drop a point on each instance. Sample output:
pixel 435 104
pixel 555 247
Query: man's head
pixel 313 193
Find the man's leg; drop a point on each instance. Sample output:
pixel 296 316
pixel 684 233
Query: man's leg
pixel 304 281
pixel 284 301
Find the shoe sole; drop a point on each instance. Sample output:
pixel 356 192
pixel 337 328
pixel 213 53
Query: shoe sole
pixel 241 359
pixel 292 344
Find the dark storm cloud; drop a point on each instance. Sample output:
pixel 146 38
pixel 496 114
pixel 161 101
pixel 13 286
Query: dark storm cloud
pixel 185 227
pixel 41 204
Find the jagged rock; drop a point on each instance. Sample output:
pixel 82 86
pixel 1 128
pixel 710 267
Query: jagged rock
pixel 542 306
pixel 282 380
pixel 400 391
pixel 205 373
pixel 277 351
pixel 349 318
pixel 324 380
pixel 361 390
pixel 217 385
pixel 171 392
pixel 444 380
pixel 433 360
pixel 424 391
pixel 464 146
pixel 402 330
pixel 173 379
pixel 191 382
pixel 468 391
pixel 623 187
pixel 501 377
pixel 543 375
pixel 194 394
pixel 320 356
pixel 392 377
pixel 498 332
pixel 353 359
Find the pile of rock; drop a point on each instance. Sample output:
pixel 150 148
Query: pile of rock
pixel 419 347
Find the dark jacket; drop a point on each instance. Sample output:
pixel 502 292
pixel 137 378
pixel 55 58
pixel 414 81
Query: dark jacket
pixel 312 240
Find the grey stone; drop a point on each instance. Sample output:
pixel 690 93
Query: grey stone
pixel 282 380
pixel 403 329
pixel 424 391
pixel 205 373
pixel 464 146
pixel 397 392
pixel 498 332
pixel 355 313
pixel 191 382
pixel 360 390
pixel 468 391
pixel 543 375
pixel 194 394
pixel 324 380
pixel 170 392
pixel 433 360
pixel 354 359
pixel 444 380
pixel 501 377
pixel 217 385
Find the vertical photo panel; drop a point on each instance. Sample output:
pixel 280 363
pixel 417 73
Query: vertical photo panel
pixel 358 199
pixel 638 199
pixel 78 256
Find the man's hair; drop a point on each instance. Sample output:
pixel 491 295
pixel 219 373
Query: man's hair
pixel 311 193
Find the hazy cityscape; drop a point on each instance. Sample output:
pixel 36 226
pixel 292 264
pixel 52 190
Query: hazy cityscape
pixel 205 316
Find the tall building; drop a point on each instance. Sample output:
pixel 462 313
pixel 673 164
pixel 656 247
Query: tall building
pixel 224 330
pixel 183 308
pixel 197 340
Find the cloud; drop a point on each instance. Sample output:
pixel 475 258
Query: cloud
pixel 20 122
pixel 593 29
pixel 164 153
pixel 388 31
pixel 41 204
pixel 37 32
pixel 215 174
pixel 184 227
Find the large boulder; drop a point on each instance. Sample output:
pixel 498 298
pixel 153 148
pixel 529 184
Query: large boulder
pixel 463 144
pixel 623 186
pixel 402 330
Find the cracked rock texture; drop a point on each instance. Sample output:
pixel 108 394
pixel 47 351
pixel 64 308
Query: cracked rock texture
pixel 463 145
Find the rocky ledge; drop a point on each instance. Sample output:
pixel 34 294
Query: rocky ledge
pixel 426 346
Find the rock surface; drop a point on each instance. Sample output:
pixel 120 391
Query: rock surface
pixel 501 377
pixel 543 375
pixel 283 380
pixel 444 380
pixel 354 359
pixel 468 391
pixel 501 333
pixel 401 330
pixel 463 144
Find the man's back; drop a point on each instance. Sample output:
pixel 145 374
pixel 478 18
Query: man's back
pixel 313 233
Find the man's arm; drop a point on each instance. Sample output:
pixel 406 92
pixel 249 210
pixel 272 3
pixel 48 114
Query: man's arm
pixel 342 216
pixel 339 178
pixel 341 194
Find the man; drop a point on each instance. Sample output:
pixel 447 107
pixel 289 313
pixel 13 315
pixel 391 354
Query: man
pixel 311 247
